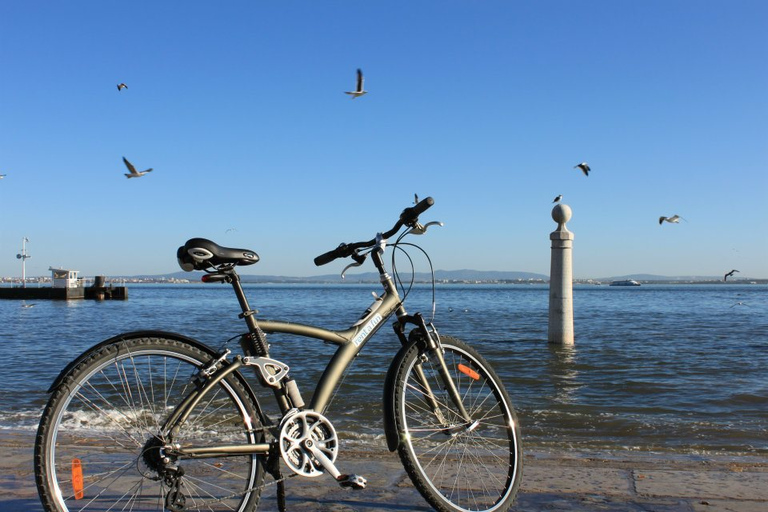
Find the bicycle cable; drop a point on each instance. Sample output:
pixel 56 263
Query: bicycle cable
pixel 397 245
pixel 398 280
pixel 230 340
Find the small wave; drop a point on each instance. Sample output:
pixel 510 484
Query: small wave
pixel 20 419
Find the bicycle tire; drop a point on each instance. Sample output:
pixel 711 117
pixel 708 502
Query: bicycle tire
pixel 96 446
pixel 455 466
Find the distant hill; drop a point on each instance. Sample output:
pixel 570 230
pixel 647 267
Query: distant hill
pixel 488 275
pixel 440 275
pixel 653 277
pixel 447 276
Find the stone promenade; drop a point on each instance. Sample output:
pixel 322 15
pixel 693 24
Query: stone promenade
pixel 620 482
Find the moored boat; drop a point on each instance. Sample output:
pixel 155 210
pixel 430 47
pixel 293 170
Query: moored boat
pixel 625 282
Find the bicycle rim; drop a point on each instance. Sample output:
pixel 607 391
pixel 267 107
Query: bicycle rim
pixel 455 464
pixel 101 448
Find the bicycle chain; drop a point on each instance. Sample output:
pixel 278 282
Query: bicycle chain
pixel 271 466
pixel 262 487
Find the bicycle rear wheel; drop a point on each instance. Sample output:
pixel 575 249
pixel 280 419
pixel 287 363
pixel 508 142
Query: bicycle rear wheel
pixel 457 465
pixel 99 445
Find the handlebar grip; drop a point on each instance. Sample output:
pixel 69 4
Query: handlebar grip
pixel 412 213
pixel 330 255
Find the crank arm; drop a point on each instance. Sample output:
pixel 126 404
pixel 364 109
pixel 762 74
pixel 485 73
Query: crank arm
pixel 322 458
pixel 353 481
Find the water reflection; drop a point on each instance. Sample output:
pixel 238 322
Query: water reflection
pixel 563 373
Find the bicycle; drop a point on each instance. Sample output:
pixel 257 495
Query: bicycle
pixel 147 420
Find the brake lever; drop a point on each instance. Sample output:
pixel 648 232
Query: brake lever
pixel 418 229
pixel 359 260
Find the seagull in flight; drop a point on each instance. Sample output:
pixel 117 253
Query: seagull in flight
pixel 739 304
pixel 584 168
pixel 134 173
pixel 121 86
pixel 729 274
pixel 359 88
pixel 675 219
pixel 558 198
pixel 2 176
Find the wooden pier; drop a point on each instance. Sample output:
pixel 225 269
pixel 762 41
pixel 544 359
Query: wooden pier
pixel 67 286
pixel 81 292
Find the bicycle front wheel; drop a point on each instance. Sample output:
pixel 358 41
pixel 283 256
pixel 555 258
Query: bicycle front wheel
pixel 99 446
pixel 456 464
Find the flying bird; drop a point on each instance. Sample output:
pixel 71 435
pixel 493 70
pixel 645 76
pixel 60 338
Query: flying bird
pixel 134 173
pixel 739 304
pixel 558 198
pixel 675 219
pixel 2 176
pixel 121 86
pixel 729 274
pixel 584 168
pixel 359 88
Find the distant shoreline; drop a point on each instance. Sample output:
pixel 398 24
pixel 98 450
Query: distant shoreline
pixel 351 280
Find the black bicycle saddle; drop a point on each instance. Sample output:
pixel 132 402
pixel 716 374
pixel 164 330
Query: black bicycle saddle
pixel 202 254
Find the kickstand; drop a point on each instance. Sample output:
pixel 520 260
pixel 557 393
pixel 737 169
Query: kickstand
pixel 273 468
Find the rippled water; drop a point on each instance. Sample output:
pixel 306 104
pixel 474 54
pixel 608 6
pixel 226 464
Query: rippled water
pixel 657 367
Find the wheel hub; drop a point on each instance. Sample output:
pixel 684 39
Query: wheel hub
pixel 153 455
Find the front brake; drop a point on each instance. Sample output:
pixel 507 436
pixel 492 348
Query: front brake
pixel 359 260
pixel 418 229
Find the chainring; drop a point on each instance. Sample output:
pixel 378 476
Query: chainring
pixel 300 427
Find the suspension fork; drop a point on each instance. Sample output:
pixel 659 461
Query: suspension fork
pixel 433 346
pixel 435 349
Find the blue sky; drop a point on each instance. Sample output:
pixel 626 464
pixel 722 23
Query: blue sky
pixel 486 106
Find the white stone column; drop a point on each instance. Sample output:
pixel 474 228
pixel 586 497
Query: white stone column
pixel 561 279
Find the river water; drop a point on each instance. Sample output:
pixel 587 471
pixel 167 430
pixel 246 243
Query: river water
pixel 656 368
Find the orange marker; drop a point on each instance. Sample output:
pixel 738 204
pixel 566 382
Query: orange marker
pixel 466 370
pixel 77 478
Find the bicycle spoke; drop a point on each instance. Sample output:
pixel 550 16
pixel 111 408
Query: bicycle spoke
pixel 461 464
pixel 108 417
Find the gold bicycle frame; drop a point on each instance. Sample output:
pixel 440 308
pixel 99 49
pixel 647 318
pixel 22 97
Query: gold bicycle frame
pixel 350 342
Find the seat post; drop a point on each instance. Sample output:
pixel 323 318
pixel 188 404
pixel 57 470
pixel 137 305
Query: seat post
pixel 256 334
pixel 234 279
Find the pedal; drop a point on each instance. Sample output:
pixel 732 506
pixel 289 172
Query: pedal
pixel 352 481
pixel 346 481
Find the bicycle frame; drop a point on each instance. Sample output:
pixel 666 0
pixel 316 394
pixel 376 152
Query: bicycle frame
pixel 350 342
pixel 155 420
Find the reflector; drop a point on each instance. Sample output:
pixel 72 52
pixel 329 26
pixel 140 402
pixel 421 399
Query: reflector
pixel 77 478
pixel 466 370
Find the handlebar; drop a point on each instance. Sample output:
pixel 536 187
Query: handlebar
pixel 411 214
pixel 408 217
